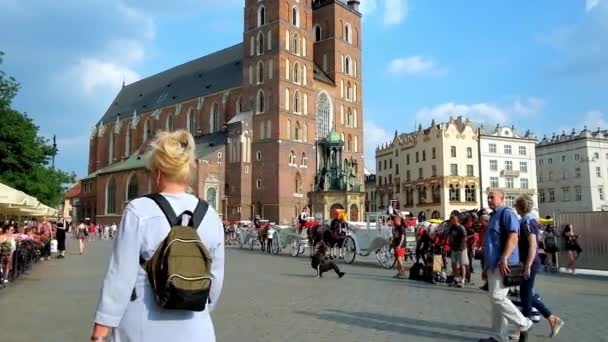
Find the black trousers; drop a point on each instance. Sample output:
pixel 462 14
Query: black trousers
pixel 46 250
pixel 61 239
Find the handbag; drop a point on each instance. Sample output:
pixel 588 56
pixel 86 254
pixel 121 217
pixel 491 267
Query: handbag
pixel 515 276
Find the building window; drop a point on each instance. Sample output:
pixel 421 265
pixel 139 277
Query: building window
pixel 454 193
pixel 318 33
pixel 423 155
pixel 507 149
pixel 600 190
pixel 564 174
pixel 396 169
pixel 509 182
pixel 417 157
pixel 550 175
pixel 492 148
pixel 577 172
pixel 258 183
pixel 348 34
pixel 111 196
pixel 258 156
pixel 261 16
pixel 541 196
pixel 213 118
pixel 579 193
pixel 509 201
pixel 565 194
pixel 493 165
pixel 434 153
pixel 295 44
pixel 550 161
pixel 434 170
pixel 453 151
pixel 470 170
pixel 577 156
pixel 385 164
pixel 508 165
pixel 292 158
pixel 260 43
pixel 295 16
pixel 563 159
pixel 470 193
pixel 379 165
pixel 523 166
pixel 260 105
pixel 192 123
pixel 407 159
pixel 522 150
pixel 551 195
pixel 260 72
pixel 494 182
pixel 304 160
pixel 469 152
pixel 147 130
pixel 408 175
pixel 454 170
pixel 523 183
pixel 596 155
pixel 420 173
pixel 132 188
pixel 598 171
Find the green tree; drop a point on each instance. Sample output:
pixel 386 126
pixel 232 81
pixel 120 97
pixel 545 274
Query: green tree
pixel 24 155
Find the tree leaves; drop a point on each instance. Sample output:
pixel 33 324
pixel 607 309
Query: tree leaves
pixel 24 155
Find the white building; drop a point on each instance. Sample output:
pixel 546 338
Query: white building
pixel 508 162
pixel 430 171
pixel 573 172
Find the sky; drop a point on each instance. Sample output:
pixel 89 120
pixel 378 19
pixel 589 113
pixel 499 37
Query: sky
pixel 538 65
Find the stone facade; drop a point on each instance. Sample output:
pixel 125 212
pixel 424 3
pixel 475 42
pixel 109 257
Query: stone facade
pixel 296 75
pixel 508 162
pixel 573 172
pixel 431 171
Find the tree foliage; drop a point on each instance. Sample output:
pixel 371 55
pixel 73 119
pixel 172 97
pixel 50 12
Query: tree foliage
pixel 24 155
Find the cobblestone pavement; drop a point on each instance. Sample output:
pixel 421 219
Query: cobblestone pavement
pixel 277 298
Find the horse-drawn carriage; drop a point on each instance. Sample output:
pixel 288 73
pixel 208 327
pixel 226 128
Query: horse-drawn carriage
pixel 357 238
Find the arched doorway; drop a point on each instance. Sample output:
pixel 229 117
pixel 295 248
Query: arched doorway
pixel 333 208
pixel 354 213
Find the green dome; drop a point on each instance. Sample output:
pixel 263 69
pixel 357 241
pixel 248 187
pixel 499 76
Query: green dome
pixel 333 137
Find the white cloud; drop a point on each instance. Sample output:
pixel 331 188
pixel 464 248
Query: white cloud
pixel 130 50
pixel 413 65
pixel 367 7
pixel 481 112
pixel 96 75
pixel 594 119
pixel 395 11
pixel 373 136
pixel 591 4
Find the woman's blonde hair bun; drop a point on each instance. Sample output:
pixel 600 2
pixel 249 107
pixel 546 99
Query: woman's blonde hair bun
pixel 172 153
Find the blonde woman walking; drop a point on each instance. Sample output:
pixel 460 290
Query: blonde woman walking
pixel 82 233
pixel 127 307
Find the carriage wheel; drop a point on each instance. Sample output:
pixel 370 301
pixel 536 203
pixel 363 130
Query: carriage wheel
pixel 275 248
pixel 349 250
pixel 295 247
pixel 386 257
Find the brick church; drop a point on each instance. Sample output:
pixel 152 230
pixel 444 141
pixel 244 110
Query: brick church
pixel 258 111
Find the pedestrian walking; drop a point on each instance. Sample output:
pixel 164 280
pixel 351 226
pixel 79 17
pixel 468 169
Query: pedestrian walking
pixel 60 233
pixel 500 251
pixel 528 255
pixel 128 307
pixel 573 249
pixel 399 245
pixel 82 234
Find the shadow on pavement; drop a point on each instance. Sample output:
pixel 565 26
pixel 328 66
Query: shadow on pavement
pixel 401 325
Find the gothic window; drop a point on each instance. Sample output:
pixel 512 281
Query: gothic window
pixel 214 119
pixel 169 124
pixel 111 196
pixel 295 16
pixel 318 33
pixel 295 44
pixel 128 142
pixel 455 193
pixel 261 16
pixel 260 44
pixel 191 122
pixel 260 106
pixel 323 116
pixel 132 187
pixel 297 131
pixel 296 73
pixel 349 90
pixel 304 161
pixel 296 101
pixel 349 118
pixel 292 157
pixel 260 72
pixel 347 65
pixel 348 33
pixel 147 130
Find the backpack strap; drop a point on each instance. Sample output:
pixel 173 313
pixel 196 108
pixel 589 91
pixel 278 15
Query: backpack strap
pixel 199 214
pixel 165 207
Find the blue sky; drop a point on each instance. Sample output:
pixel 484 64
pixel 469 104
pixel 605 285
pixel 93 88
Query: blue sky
pixel 540 65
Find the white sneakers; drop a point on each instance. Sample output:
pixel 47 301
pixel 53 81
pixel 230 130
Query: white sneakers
pixel 527 326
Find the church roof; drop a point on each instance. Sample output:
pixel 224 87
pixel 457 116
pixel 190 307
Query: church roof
pixel 200 77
